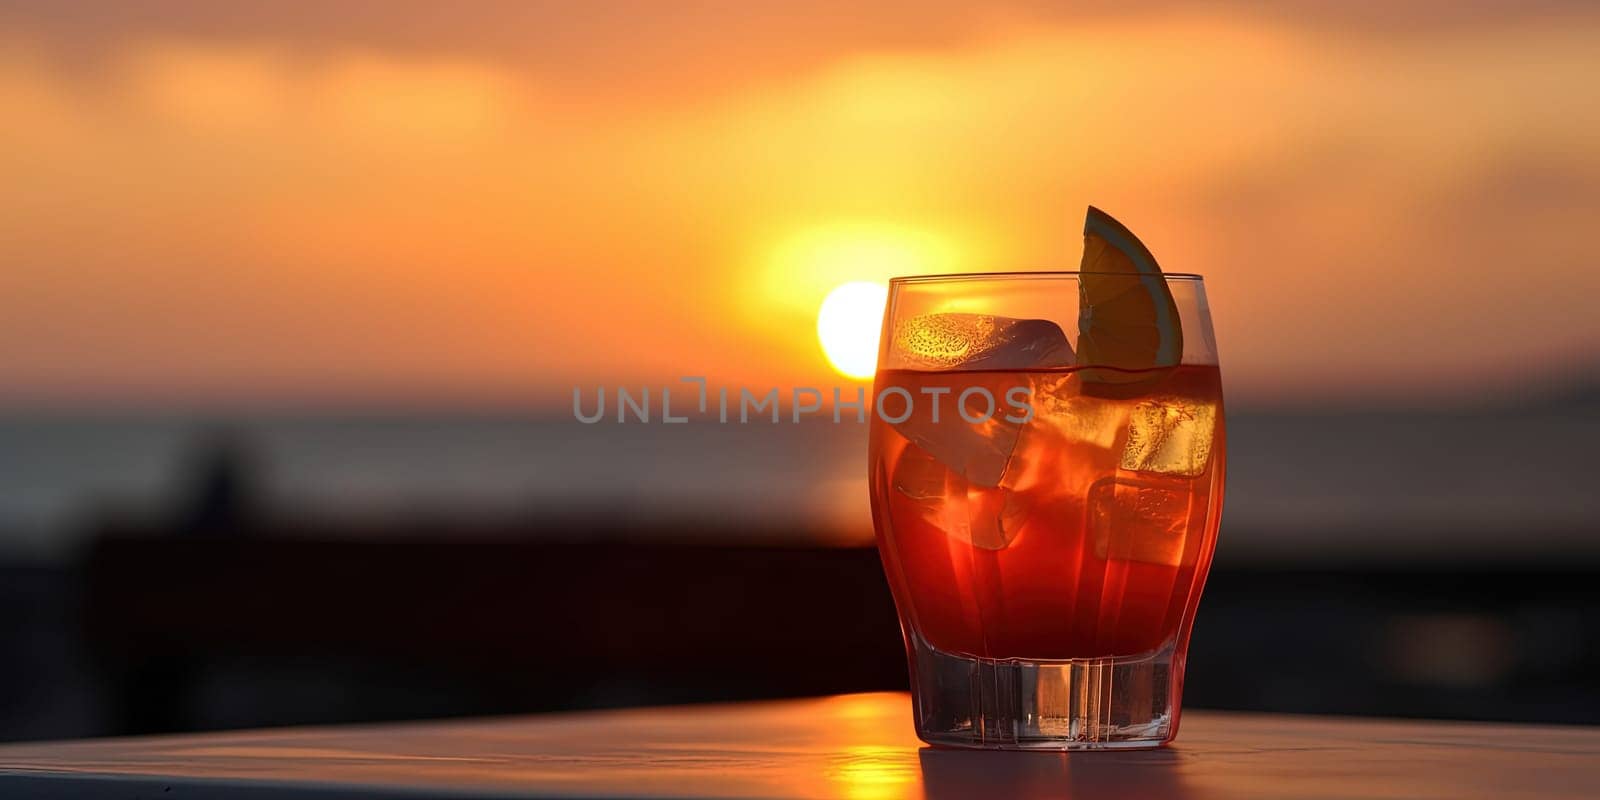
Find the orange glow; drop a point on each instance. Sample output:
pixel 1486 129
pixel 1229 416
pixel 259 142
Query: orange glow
pixel 872 766
pixel 878 773
pixel 208 215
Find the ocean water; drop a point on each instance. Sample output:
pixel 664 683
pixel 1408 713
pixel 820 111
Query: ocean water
pixel 1300 485
pixel 60 475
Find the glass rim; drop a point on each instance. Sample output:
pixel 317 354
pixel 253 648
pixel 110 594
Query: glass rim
pixel 958 277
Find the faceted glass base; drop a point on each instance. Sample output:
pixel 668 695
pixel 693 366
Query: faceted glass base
pixel 1078 704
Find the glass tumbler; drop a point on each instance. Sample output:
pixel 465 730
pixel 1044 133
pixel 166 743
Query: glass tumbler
pixel 1046 468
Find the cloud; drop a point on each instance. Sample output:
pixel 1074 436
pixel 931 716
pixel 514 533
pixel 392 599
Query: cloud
pixel 675 47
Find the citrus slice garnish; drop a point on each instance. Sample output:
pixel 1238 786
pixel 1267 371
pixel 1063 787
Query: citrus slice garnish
pixel 1127 318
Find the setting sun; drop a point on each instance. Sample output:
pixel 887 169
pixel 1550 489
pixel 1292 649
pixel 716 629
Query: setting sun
pixel 848 325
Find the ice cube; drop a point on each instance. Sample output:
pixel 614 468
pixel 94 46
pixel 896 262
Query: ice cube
pixel 951 348
pixel 1134 520
pixel 977 452
pixel 989 518
pixel 1077 417
pixel 1170 435
pixel 979 341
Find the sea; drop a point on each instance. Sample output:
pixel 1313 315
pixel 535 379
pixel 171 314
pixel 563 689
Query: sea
pixel 1303 486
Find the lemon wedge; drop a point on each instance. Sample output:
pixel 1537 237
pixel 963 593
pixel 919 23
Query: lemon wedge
pixel 1126 315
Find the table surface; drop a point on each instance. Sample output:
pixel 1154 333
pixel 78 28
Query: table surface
pixel 850 746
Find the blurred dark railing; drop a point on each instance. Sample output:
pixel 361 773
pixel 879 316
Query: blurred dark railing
pixel 195 632
pixel 481 624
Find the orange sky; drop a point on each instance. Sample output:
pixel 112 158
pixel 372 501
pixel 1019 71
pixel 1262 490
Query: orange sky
pixel 308 205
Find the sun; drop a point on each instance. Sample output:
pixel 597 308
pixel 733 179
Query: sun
pixel 848 324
